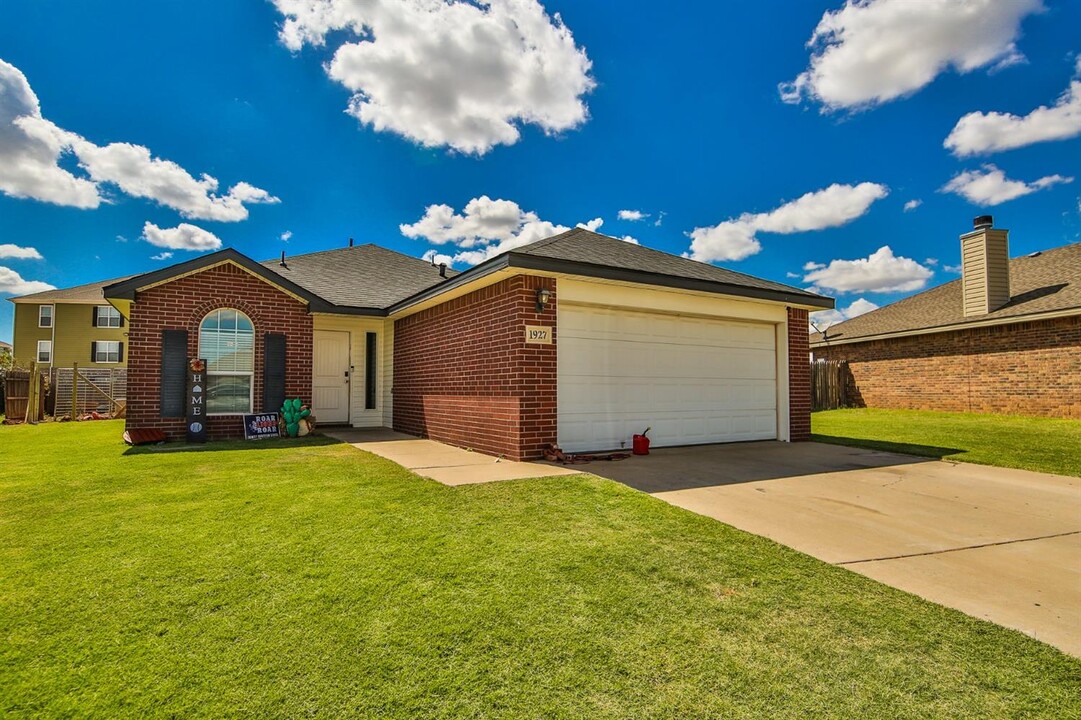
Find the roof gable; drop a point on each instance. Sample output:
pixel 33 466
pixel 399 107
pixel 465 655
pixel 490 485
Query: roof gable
pixel 125 289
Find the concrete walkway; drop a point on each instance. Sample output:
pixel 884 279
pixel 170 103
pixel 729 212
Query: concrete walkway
pixel 442 463
pixel 998 544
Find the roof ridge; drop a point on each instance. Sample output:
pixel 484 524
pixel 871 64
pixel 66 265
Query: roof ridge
pixel 668 256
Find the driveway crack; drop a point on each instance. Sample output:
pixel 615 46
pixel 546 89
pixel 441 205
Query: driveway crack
pixel 967 547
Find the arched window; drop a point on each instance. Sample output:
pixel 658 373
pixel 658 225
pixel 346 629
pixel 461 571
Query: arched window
pixel 227 342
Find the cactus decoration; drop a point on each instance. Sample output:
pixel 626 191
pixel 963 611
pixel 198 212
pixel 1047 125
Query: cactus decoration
pixel 296 418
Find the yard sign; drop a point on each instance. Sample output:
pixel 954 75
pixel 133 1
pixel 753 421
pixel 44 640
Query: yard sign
pixel 196 425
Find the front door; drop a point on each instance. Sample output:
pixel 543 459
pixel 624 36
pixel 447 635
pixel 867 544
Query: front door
pixel 330 381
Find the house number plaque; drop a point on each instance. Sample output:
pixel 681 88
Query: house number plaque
pixel 538 335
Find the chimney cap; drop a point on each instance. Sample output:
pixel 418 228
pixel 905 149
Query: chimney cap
pixel 982 222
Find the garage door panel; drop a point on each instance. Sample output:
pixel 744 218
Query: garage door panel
pixel 692 380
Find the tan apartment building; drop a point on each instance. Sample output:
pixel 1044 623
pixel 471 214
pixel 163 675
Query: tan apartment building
pixel 58 328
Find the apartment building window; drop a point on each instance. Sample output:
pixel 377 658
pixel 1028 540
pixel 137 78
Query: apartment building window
pixel 45 351
pixel 45 315
pixel 107 351
pixel 106 316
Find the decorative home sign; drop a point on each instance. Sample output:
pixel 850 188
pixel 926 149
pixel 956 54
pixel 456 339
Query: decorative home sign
pixel 196 400
pixel 538 335
pixel 261 426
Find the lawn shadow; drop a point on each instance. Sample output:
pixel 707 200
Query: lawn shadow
pixel 928 451
pixel 219 445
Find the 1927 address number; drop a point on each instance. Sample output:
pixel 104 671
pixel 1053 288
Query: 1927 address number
pixel 538 335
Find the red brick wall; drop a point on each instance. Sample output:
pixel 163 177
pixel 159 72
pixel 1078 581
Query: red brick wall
pixel 1031 368
pixel 799 377
pixel 181 305
pixel 463 373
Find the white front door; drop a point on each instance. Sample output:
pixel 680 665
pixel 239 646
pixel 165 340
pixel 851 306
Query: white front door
pixel 330 381
pixel 692 380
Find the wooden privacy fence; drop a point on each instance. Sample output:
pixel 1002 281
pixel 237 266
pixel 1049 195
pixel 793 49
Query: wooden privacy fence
pixel 829 384
pixel 79 391
pixel 20 403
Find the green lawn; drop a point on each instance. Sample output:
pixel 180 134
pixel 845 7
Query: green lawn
pixel 304 578
pixel 1030 443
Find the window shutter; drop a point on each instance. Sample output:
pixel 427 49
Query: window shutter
pixel 174 372
pixel 120 352
pixel 273 371
pixel 94 321
pixel 93 352
pixel 121 319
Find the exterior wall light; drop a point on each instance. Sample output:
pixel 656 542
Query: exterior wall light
pixel 543 296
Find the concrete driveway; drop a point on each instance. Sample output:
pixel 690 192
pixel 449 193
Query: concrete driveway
pixel 998 544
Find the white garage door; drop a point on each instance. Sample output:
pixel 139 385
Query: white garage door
pixel 692 380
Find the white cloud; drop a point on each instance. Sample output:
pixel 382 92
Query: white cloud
pixel 933 262
pixel 182 237
pixel 28 161
pixel 881 271
pixel 11 283
pixel 736 239
pixel 979 132
pixel 457 74
pixel 161 256
pixel 873 51
pixel 633 215
pixel 825 318
pixel 285 236
pixel 912 205
pixel 31 148
pixel 990 186
pixel 952 269
pixel 485 228
pixel 8 250
pixel 660 218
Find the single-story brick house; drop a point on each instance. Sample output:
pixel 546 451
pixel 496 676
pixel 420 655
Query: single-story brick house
pixel 579 339
pixel 1005 338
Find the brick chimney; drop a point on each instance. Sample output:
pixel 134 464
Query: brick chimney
pixel 985 267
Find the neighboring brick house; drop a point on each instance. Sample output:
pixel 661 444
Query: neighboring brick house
pixel 1005 338
pixel 579 339
pixel 57 328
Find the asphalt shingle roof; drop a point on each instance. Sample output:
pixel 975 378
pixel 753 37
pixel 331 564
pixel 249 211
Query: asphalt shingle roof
pixel 1040 283
pixel 90 292
pixel 581 245
pixel 365 276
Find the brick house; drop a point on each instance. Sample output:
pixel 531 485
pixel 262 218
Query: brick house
pixel 1005 338
pixel 579 339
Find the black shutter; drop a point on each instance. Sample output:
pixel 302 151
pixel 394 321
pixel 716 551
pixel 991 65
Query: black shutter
pixel 94 322
pixel 273 371
pixel 121 319
pixel 120 352
pixel 174 372
pixel 93 352
pixel 369 370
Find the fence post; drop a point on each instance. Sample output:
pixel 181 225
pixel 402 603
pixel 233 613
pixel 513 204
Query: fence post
pixel 31 395
pixel 75 391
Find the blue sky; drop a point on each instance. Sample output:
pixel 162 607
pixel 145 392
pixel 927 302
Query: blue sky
pixel 737 141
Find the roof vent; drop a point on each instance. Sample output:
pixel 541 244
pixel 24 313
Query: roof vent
pixel 982 222
pixel 350 242
pixel 1038 253
pixel 282 263
pixel 442 269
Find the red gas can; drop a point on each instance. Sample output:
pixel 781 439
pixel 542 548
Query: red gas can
pixel 640 445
